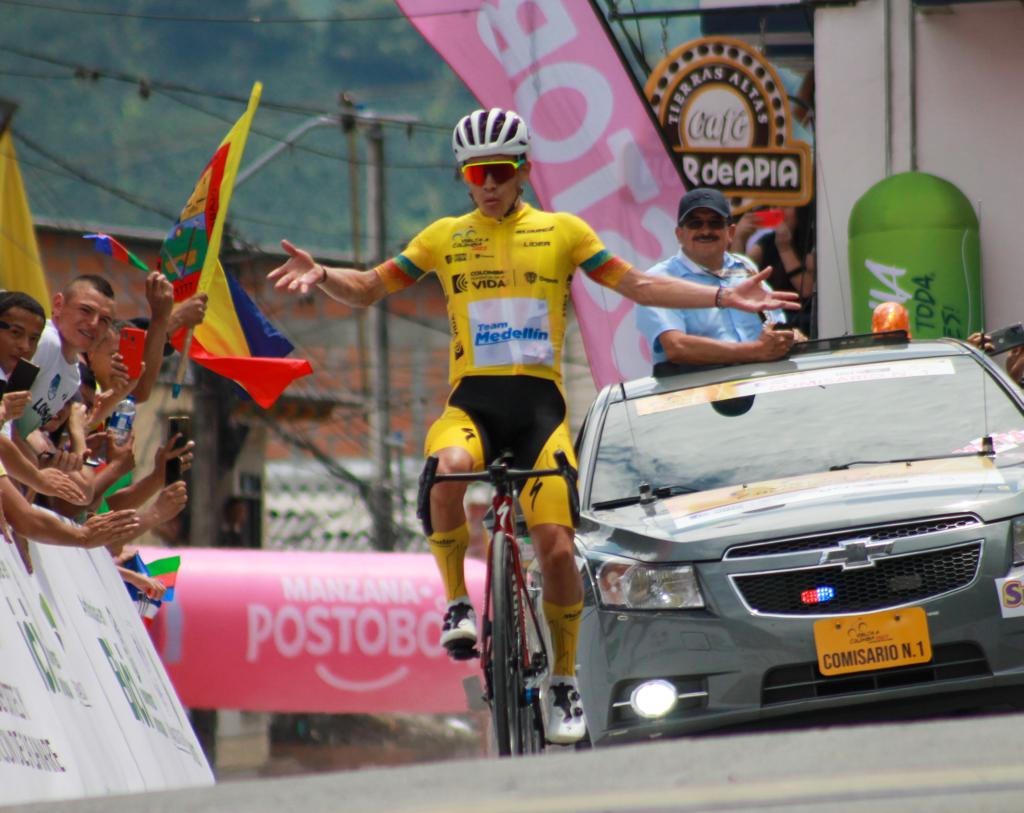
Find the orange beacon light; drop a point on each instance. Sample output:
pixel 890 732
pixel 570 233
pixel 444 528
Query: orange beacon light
pixel 890 316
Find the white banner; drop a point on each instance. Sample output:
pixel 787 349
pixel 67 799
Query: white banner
pixel 86 708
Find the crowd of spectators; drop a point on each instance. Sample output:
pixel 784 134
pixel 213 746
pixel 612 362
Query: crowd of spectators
pixel 66 477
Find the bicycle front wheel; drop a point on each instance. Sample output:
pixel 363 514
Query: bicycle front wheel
pixel 506 650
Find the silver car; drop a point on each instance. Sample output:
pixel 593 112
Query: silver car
pixel 837 533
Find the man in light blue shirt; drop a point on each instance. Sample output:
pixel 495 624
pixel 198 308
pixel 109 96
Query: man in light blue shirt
pixel 681 340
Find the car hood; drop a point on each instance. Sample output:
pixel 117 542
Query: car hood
pixel 708 521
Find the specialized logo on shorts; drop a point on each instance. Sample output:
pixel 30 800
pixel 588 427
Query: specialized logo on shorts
pixel 537 486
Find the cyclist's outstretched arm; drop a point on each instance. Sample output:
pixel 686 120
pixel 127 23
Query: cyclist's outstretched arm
pixel 668 292
pixel 349 285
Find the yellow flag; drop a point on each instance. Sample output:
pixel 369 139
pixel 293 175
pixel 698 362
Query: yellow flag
pixel 20 267
pixel 189 255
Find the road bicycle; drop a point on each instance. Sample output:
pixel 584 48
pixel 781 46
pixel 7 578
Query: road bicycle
pixel 513 653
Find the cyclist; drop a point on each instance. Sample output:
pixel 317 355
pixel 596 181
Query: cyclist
pixel 505 269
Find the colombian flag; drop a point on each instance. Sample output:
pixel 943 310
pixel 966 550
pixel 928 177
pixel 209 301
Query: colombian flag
pixel 166 571
pixel 235 340
pixel 105 244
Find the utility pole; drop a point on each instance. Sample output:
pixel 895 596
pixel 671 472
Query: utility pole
pixel 380 378
pixel 349 122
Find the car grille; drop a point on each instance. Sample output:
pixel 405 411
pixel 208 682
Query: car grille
pixel 877 533
pixel 786 684
pixel 889 582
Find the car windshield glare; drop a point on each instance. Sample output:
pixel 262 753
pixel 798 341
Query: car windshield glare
pixel 771 427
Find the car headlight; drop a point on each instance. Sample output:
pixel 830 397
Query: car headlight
pixel 641 586
pixel 1017 537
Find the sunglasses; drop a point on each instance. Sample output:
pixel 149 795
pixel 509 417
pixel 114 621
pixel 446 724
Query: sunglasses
pixel 717 224
pixel 501 171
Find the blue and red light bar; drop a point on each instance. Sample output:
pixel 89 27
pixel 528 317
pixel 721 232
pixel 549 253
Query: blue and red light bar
pixel 819 595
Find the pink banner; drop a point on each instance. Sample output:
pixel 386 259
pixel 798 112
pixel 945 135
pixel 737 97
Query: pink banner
pixel 596 151
pixel 310 632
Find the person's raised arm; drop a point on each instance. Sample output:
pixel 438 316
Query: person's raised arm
pixel 349 285
pixel 669 292
pixel 160 296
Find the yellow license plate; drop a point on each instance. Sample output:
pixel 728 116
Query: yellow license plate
pixel 863 643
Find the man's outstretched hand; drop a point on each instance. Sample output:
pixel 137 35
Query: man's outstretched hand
pixel 751 295
pixel 299 273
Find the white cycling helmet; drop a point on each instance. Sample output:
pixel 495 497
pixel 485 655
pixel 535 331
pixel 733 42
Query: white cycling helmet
pixel 490 132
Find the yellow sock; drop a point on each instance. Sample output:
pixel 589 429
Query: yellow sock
pixel 564 623
pixel 449 549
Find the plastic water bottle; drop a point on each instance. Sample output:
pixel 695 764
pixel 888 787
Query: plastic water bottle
pixel 122 420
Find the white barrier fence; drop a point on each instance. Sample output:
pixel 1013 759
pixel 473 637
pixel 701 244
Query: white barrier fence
pixel 86 708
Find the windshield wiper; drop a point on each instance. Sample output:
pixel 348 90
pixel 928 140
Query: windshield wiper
pixel 985 451
pixel 646 495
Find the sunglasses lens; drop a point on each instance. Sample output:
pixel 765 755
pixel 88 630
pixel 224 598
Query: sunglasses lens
pixel 501 171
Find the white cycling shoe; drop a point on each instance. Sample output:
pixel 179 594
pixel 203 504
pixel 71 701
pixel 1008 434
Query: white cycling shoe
pixel 458 630
pixel 562 710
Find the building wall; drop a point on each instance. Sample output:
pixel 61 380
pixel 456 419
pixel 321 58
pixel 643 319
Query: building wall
pixel 959 74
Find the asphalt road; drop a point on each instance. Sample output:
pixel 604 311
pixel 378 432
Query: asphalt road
pixel 962 764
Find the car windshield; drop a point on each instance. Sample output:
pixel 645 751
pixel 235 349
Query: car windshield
pixel 751 430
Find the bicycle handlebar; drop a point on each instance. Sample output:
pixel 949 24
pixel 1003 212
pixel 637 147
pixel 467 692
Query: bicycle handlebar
pixel 498 474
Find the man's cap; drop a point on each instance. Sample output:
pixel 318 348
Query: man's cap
pixel 703 198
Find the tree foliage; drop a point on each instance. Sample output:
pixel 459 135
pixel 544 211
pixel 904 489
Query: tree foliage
pixel 95 93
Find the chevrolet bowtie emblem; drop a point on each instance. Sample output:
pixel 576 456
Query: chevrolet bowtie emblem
pixel 855 553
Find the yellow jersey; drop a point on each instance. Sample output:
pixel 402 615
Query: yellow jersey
pixel 506 284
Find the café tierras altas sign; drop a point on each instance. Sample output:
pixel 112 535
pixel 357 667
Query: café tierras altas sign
pixel 727 118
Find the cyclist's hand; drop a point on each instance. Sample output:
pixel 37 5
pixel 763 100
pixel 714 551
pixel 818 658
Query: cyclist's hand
pixel 300 273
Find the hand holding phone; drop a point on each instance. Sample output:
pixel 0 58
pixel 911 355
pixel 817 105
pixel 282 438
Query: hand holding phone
pixel 22 376
pixel 176 425
pixel 131 347
pixel 1006 338
pixel 768 218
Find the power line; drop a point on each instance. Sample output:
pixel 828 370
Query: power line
pixel 248 20
pixel 90 179
pixel 301 147
pixel 147 85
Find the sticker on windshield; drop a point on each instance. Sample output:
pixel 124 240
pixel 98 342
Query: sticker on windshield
pixel 1001 442
pixel 691 510
pixel 831 376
